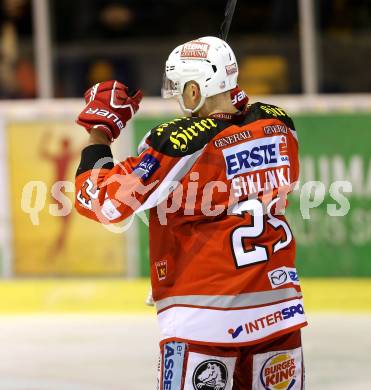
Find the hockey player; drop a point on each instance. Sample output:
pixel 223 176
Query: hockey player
pixel 222 254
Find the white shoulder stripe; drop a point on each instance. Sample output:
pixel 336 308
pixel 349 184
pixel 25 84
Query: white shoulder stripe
pixel 294 134
pixel 171 181
pixel 143 144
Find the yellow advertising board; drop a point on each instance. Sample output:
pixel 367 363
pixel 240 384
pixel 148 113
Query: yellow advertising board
pixel 49 237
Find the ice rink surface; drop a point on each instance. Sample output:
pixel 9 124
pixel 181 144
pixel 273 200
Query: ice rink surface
pixel 119 352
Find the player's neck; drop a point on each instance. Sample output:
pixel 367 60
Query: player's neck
pixel 217 104
pixel 225 107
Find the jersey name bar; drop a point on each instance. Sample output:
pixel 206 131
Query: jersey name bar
pixel 261 181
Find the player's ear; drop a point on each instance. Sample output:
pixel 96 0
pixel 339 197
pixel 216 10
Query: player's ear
pixel 195 90
pixel 191 89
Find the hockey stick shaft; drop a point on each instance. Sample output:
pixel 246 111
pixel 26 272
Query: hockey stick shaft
pixel 228 16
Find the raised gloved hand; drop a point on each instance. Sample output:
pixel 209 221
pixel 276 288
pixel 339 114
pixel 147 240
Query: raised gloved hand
pixel 239 98
pixel 109 107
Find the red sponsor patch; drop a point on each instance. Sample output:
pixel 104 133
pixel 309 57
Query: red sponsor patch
pixel 195 49
pixel 161 268
pixel 283 147
pixel 230 69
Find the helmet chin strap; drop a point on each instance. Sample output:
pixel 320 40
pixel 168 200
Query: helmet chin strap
pixel 188 111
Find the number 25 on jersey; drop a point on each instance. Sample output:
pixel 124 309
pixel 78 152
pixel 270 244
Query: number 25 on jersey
pixel 257 253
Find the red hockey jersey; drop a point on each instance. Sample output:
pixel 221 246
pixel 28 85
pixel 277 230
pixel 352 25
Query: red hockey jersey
pixel 222 253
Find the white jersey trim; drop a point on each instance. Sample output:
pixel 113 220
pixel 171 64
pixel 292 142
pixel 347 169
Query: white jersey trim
pixel 230 326
pixel 143 143
pixel 231 301
pixel 171 181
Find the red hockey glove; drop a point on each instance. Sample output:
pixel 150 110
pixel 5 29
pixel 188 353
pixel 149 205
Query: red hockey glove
pixel 109 107
pixel 239 98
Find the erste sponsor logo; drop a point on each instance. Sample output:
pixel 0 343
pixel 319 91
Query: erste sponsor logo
pixel 255 155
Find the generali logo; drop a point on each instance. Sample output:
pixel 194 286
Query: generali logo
pixel 195 49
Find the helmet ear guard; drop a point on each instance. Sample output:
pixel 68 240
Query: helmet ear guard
pixel 209 61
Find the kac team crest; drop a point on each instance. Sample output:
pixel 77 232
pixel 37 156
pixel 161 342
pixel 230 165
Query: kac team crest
pixel 279 372
pixel 210 375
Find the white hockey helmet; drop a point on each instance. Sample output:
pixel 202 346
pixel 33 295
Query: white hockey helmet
pixel 209 61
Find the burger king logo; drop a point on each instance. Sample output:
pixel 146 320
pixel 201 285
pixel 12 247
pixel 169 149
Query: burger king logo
pixel 279 372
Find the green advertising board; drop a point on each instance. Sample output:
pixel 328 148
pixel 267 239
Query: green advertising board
pixel 333 148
